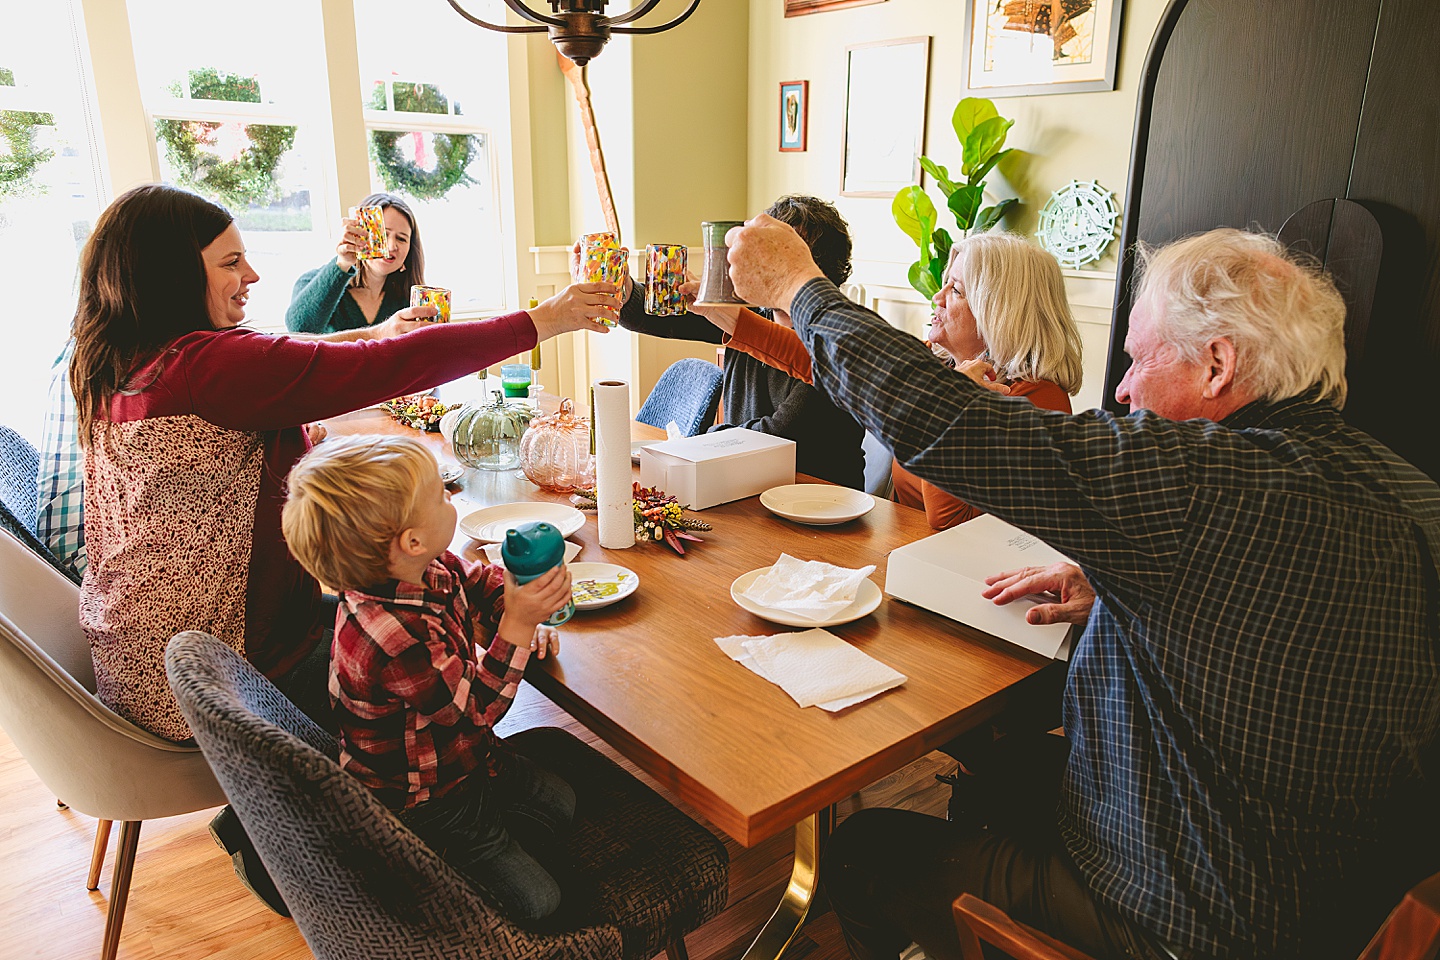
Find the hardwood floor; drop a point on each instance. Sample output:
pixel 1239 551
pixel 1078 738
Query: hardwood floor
pixel 185 901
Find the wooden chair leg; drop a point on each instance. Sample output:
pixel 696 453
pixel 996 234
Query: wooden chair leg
pixel 97 859
pixel 120 887
pixel 676 950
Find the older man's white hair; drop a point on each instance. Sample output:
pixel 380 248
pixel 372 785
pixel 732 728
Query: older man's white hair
pixel 1285 319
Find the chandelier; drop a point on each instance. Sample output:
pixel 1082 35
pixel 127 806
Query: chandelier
pixel 579 28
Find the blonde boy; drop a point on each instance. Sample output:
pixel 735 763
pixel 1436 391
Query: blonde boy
pixel 415 699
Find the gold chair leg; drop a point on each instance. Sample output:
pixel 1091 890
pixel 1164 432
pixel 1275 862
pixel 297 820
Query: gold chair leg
pixel 676 950
pixel 810 836
pixel 120 887
pixel 97 859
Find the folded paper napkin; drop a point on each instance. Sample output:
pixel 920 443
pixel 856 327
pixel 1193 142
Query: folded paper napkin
pixel 816 668
pixel 807 588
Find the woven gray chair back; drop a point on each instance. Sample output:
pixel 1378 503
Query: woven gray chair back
pixel 20 496
pixel 358 883
pixel 19 473
pixel 688 392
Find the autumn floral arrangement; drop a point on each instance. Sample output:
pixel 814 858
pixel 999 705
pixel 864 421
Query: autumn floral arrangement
pixel 659 517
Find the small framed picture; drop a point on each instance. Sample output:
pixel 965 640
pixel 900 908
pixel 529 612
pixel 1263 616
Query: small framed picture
pixel 794 115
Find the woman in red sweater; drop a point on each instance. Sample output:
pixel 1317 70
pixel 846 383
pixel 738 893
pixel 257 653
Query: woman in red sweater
pixel 1001 318
pixel 190 425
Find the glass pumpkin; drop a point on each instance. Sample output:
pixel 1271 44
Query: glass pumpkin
pixel 489 437
pixel 555 451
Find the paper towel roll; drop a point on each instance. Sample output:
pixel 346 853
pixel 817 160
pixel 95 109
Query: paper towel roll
pixel 613 478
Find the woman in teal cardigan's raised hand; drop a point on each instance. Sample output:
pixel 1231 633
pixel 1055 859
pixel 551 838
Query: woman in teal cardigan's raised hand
pixel 347 292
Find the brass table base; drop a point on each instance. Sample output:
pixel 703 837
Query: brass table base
pixel 810 836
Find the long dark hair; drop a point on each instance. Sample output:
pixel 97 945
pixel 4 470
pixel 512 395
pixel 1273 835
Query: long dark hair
pixel 142 284
pixel 398 283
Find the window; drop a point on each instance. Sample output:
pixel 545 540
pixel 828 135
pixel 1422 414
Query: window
pixel 49 198
pixel 432 112
pixel 234 114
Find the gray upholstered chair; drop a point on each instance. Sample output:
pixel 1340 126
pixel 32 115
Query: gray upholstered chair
pixel 688 392
pixel 360 885
pixel 98 763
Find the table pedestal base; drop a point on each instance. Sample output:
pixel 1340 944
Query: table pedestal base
pixel 810 836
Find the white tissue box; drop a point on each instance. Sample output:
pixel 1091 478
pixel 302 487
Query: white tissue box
pixel 946 572
pixel 714 468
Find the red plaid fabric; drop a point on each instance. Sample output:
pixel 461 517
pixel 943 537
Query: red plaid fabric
pixel 415 699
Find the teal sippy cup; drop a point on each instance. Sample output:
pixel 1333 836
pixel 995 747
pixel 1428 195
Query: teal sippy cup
pixel 532 549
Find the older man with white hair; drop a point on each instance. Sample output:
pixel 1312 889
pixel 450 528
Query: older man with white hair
pixel 1252 710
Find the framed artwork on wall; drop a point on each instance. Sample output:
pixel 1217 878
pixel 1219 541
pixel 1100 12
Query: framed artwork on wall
pixel 796 8
pixel 794 115
pixel 886 85
pixel 1021 47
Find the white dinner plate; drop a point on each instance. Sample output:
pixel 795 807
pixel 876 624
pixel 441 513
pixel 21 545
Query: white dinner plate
pixel 492 552
pixel 598 585
pixel 867 599
pixel 489 525
pixel 818 504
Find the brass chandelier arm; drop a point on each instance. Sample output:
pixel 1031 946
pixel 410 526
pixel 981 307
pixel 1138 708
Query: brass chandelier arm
pixel 664 26
pixel 498 27
pixel 635 14
pixel 531 15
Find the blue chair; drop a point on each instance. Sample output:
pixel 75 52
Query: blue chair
pixel 688 392
pixel 20 496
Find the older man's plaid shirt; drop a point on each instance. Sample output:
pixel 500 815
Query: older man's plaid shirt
pixel 1259 678
pixel 60 523
pixel 414 698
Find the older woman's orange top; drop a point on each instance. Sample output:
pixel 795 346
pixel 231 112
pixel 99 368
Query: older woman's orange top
pixel 780 347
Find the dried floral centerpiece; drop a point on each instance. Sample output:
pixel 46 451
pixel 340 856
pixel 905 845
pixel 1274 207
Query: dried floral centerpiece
pixel 658 516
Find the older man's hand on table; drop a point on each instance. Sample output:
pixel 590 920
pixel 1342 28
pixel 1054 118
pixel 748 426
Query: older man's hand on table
pixel 769 262
pixel 1062 581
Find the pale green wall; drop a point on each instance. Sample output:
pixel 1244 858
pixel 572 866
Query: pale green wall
pixel 1069 136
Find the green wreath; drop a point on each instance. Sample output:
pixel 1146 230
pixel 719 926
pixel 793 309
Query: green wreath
pixel 18 166
pixel 250 177
pixel 452 156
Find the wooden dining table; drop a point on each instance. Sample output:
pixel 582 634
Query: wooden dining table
pixel 646 675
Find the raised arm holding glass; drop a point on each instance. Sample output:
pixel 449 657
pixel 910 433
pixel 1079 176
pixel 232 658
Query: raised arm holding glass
pixel 1251 712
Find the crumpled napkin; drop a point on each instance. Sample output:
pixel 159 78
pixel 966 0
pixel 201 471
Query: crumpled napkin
pixel 807 588
pixel 815 667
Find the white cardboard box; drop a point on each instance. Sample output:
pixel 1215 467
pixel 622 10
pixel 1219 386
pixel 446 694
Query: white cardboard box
pixel 713 468
pixel 946 572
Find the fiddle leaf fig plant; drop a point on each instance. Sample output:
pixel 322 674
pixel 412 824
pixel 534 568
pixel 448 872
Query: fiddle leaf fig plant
pixel 981 132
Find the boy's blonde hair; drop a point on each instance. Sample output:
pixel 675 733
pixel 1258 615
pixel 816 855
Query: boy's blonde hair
pixel 349 498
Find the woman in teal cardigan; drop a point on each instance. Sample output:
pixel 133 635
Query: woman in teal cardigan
pixel 347 293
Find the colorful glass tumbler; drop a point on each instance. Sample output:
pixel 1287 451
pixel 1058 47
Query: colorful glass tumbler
pixel 664 274
pixel 437 297
pixel 716 288
pixel 372 224
pixel 602 260
pixel 531 550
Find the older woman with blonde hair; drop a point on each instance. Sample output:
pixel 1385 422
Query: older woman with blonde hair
pixel 1001 319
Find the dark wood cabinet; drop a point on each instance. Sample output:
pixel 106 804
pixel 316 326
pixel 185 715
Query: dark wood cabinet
pixel 1249 112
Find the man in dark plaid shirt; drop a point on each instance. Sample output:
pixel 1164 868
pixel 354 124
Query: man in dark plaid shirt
pixel 1252 709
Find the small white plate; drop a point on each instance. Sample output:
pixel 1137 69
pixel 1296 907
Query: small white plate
pixel 489 525
pixel 450 472
pixel 867 599
pixel 492 552
pixel 637 445
pixel 818 504
pixel 601 584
